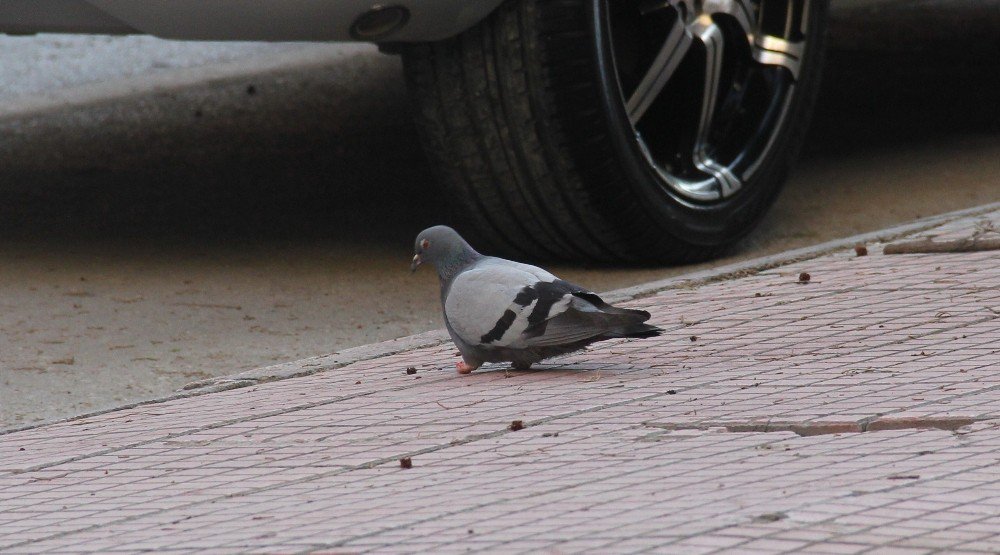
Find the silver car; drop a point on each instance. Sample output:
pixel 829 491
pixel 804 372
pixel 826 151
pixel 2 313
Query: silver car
pixel 603 130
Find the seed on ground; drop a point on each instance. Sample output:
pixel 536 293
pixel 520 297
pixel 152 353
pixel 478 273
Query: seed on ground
pixel 406 462
pixel 411 370
pixel 516 425
pixel 804 277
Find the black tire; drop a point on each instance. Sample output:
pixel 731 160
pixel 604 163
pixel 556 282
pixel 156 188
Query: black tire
pixel 524 117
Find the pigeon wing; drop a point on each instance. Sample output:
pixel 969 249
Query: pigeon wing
pixel 582 315
pixel 489 304
pixel 503 304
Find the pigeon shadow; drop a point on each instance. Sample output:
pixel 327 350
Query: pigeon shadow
pixel 597 370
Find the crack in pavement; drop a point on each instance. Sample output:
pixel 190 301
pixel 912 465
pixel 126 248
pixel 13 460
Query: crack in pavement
pixel 808 429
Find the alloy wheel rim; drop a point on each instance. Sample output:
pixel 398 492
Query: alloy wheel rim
pixel 706 85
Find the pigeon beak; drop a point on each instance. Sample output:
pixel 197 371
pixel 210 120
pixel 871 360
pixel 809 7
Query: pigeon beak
pixel 416 262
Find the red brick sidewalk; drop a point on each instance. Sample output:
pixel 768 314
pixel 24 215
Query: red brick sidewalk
pixel 856 411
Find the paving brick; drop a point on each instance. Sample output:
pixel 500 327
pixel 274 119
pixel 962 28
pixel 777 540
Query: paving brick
pixel 858 413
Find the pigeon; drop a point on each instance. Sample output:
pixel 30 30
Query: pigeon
pixel 498 310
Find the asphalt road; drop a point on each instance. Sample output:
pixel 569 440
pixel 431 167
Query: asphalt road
pixel 166 224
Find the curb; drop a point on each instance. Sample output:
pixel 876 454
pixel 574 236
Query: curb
pixel 764 263
pixel 323 363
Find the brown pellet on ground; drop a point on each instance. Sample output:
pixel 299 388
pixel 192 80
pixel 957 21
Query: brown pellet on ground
pixel 860 250
pixel 406 462
pixel 411 370
pixel 804 277
pixel 694 338
pixel 516 425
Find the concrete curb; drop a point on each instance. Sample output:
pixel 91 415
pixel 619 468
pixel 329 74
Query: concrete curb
pixel 756 265
pixel 323 363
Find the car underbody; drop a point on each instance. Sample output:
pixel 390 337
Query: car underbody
pixel 269 20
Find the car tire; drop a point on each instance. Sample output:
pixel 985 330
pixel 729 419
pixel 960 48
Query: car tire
pixel 581 129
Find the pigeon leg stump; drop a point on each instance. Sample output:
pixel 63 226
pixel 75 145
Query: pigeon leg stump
pixel 498 310
pixel 464 367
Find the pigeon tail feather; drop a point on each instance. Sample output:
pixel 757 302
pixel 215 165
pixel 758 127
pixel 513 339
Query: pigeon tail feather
pixel 640 331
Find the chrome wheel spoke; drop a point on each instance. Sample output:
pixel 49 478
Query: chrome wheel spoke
pixel 711 36
pixel 674 48
pixel 713 80
pixel 742 11
pixel 776 51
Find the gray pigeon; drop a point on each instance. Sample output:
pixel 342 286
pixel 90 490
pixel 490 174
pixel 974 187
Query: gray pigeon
pixel 497 310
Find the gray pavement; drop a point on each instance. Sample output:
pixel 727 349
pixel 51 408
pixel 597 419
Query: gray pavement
pixel 40 64
pixel 168 227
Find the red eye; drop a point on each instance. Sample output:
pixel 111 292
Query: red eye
pixel 424 244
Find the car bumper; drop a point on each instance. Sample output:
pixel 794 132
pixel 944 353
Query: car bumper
pixel 264 20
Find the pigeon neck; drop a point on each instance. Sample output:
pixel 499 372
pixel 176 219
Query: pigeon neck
pixel 452 265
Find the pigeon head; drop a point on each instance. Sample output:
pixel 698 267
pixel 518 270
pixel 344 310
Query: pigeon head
pixel 443 248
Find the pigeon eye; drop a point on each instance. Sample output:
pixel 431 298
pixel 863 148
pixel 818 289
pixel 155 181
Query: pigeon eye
pixel 424 244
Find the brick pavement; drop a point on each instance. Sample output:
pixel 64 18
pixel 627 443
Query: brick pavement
pixel 855 413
